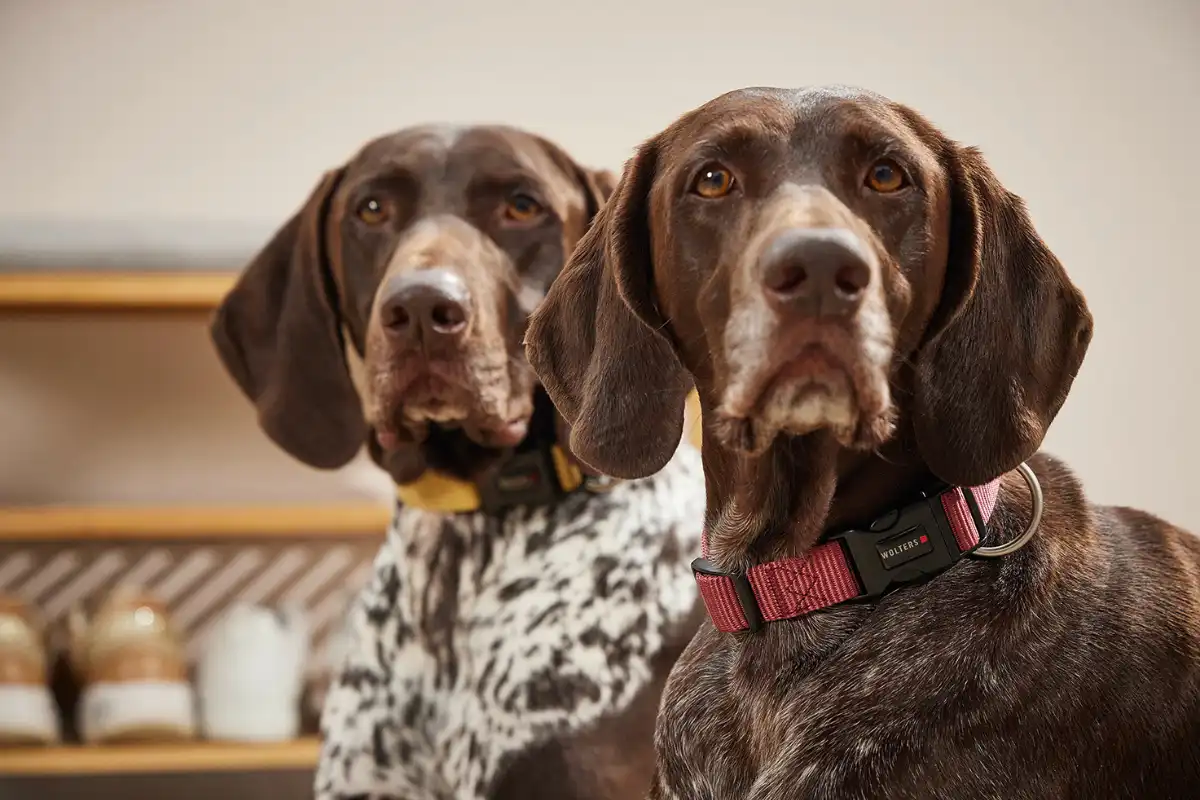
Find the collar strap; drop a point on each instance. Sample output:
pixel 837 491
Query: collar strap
pixel 540 476
pixel 903 546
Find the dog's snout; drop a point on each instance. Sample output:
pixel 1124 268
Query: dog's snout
pixel 427 303
pixel 821 271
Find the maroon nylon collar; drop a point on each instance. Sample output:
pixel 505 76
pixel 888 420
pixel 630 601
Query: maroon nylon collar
pixel 900 547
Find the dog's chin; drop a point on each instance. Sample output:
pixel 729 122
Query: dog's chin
pixel 408 420
pixel 414 422
pixel 811 393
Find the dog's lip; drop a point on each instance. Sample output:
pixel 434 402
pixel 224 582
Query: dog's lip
pixel 813 360
pixel 505 434
pixel 491 433
pixel 433 378
pixel 433 385
pixel 487 432
pixel 388 439
pixel 511 433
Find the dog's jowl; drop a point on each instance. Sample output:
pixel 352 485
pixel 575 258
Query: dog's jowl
pixel 524 612
pixel 906 600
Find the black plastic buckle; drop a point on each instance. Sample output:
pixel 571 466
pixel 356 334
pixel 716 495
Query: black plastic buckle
pixel 903 546
pixel 741 587
pixel 527 478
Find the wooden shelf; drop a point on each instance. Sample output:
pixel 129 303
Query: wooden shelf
pixel 113 291
pixel 301 754
pixel 181 522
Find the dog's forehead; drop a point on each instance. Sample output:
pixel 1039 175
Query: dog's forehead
pixel 419 142
pixel 502 145
pixel 483 148
pixel 781 113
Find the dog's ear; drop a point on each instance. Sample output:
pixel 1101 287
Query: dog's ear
pixel 597 184
pixel 278 333
pixel 1006 340
pixel 601 183
pixel 597 340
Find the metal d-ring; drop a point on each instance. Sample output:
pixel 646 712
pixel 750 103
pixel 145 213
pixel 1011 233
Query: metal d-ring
pixel 1035 491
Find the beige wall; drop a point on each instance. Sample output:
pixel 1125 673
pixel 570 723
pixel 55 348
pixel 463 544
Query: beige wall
pixel 128 411
pixel 168 115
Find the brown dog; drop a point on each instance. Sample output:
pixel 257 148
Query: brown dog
pixel 872 322
pixel 424 254
pixel 516 646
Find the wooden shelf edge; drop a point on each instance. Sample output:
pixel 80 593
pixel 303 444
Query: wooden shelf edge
pixel 301 754
pixel 181 522
pixel 113 291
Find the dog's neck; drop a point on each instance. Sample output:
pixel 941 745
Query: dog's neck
pixel 778 504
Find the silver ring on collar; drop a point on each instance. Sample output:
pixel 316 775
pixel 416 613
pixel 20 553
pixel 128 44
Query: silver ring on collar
pixel 1035 491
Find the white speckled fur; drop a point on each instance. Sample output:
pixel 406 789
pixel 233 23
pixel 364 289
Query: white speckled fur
pixel 554 615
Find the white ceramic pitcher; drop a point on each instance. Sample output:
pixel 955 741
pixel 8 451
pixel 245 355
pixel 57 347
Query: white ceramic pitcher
pixel 251 674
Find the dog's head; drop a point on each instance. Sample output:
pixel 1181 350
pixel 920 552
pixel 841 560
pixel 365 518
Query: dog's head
pixel 819 260
pixel 423 257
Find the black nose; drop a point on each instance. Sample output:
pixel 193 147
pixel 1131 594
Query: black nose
pixel 426 304
pixel 819 271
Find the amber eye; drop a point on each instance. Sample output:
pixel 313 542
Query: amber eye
pixel 520 207
pixel 886 176
pixel 371 211
pixel 713 181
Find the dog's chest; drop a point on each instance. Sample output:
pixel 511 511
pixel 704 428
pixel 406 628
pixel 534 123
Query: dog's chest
pixel 897 701
pixel 500 633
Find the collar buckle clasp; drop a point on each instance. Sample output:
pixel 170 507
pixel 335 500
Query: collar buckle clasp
pixel 901 547
pixel 527 478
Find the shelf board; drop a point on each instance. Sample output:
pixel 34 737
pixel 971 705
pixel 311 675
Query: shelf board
pixel 301 754
pixel 182 522
pixel 92 291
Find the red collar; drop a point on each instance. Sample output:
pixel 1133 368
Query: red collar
pixel 903 546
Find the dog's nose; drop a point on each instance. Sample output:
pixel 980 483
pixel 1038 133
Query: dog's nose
pixel 820 271
pixel 426 304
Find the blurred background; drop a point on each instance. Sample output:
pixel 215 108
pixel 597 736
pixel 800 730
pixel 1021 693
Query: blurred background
pixel 148 149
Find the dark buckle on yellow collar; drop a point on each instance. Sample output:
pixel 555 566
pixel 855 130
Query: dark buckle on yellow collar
pixel 525 479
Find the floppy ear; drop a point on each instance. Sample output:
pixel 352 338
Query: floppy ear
pixel 279 335
pixel 597 184
pixel 596 341
pixel 1006 340
pixel 601 183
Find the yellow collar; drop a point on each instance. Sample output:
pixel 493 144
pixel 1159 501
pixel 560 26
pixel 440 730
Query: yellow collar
pixel 435 491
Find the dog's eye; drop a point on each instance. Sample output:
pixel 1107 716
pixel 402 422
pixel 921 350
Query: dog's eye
pixel 372 211
pixel 521 207
pixel 886 176
pixel 713 181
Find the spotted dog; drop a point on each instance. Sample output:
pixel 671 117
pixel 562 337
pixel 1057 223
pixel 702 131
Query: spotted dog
pixel 524 611
pixel 558 616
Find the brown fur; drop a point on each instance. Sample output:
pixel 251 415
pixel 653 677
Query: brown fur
pixel 1070 669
